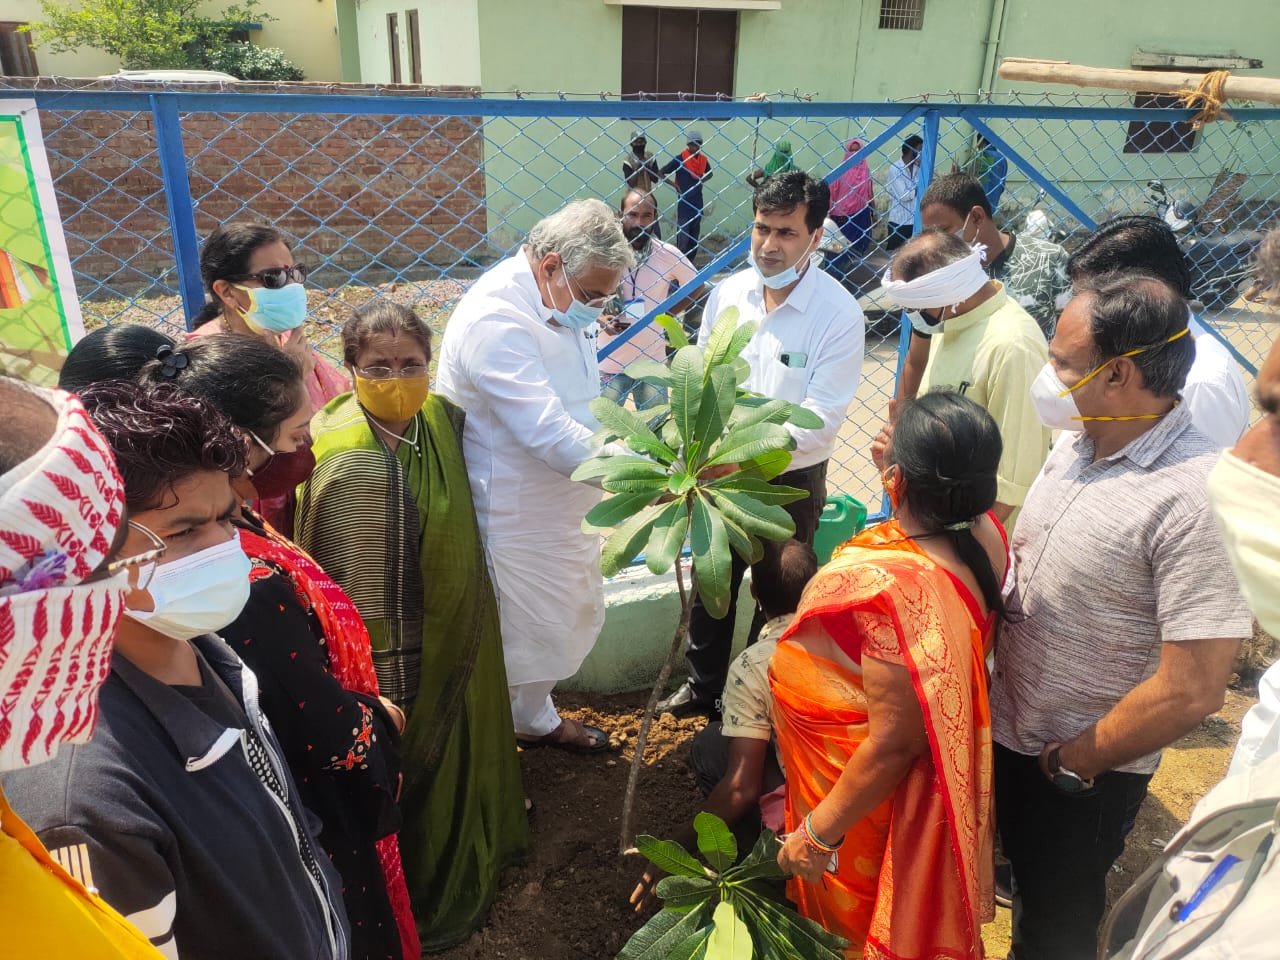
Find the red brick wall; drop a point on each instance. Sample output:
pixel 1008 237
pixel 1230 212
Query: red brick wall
pixel 359 191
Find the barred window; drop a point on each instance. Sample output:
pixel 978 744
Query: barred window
pixel 901 14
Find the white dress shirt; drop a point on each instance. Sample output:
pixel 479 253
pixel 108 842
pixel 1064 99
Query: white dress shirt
pixel 526 384
pixel 807 351
pixel 1215 390
pixel 902 193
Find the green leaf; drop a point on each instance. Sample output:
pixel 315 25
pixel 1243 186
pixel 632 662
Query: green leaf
pixel 657 938
pixel 741 337
pixel 777 494
pixel 669 856
pixel 716 406
pixel 676 337
pixel 721 333
pixel 686 391
pixel 764 520
pixel 730 940
pixel 619 421
pixel 671 435
pixel 745 443
pixel 751 410
pixel 649 371
pixel 615 510
pixel 805 938
pixel 767 465
pixel 741 370
pixel 695 948
pixel 766 848
pixel 622 467
pixel 667 539
pixel 624 543
pixel 715 841
pixel 709 542
pixel 744 544
pixel 682 893
pixel 654 487
pixel 803 417
pixel 680 483
pixel 653 448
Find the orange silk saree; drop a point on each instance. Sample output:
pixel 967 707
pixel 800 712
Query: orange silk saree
pixel 913 878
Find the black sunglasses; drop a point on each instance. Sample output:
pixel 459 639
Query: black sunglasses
pixel 275 277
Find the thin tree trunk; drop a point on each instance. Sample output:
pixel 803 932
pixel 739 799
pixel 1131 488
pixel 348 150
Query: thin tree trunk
pixel 625 839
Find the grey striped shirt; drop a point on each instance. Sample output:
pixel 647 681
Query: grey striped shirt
pixel 1111 558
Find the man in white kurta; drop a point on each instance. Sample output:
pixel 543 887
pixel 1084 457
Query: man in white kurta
pixel 519 356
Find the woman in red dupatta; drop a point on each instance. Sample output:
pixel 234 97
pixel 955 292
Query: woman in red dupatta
pixel 880 693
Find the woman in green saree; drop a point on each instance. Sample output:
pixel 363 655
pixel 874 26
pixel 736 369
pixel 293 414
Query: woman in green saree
pixel 388 514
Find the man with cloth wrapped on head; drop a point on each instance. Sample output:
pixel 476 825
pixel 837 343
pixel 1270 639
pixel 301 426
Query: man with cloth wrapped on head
pixel 985 346
pixel 61 523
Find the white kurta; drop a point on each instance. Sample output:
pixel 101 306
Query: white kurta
pixel 526 385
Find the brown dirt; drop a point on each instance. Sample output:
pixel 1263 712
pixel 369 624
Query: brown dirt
pixel 569 902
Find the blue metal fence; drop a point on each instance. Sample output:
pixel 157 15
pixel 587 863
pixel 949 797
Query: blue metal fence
pixel 410 197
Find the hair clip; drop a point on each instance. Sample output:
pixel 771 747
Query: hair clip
pixel 958 525
pixel 172 362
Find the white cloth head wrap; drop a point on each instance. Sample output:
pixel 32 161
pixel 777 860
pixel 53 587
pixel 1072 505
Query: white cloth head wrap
pixel 60 511
pixel 944 287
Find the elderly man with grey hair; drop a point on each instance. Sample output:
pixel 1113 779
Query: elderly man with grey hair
pixel 519 356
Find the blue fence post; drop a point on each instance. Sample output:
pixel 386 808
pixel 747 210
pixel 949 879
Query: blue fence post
pixel 177 195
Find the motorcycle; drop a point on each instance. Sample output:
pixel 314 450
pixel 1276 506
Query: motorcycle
pixel 1219 259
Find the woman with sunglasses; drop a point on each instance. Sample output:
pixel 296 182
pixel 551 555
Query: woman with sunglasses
pixel 388 512
pixel 255 289
pixel 305 641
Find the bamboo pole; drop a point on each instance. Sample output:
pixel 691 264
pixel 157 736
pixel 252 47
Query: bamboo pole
pixel 1257 89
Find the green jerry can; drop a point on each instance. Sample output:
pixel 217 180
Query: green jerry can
pixel 842 517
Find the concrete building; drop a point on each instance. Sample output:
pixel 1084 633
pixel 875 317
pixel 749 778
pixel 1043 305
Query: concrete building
pixel 306 30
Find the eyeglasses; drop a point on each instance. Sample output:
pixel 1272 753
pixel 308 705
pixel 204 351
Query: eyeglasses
pixel 386 373
pixel 139 560
pixel 275 277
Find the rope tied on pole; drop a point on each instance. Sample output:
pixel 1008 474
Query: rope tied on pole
pixel 1208 96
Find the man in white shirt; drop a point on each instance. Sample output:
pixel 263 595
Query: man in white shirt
pixel 904 176
pixel 808 350
pixel 519 356
pixel 1214 391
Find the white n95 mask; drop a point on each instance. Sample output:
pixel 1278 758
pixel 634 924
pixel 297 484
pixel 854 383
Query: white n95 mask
pixel 198 594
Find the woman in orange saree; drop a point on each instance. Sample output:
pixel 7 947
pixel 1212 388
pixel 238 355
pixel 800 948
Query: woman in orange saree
pixel 880 693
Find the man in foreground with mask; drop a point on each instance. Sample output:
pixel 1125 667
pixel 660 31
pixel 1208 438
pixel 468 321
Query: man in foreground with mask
pixel 180 811
pixel 519 356
pixel 62 590
pixel 1215 891
pixel 1124 615
pixel 983 344
pixel 807 349
pixel 659 270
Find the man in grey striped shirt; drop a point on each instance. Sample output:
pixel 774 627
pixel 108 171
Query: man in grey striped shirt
pixel 1124 614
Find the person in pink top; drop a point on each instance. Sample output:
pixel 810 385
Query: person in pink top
pixel 851 196
pixel 255 288
pixel 660 270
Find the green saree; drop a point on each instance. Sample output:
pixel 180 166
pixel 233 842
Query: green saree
pixel 398 533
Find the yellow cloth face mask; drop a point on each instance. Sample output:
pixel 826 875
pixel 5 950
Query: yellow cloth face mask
pixel 393 399
pixel 1246 503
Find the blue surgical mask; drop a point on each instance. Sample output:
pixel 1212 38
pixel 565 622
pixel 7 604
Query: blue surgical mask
pixel 578 316
pixel 786 277
pixel 275 311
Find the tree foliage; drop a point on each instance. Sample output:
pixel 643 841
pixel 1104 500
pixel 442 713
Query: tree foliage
pixel 720 911
pixel 162 35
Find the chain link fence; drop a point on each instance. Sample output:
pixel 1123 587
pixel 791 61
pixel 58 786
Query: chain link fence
pixel 410 194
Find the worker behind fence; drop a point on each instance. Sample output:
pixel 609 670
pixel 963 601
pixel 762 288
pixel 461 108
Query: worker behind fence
pixel 983 345
pixel 1214 391
pixel 519 356
pixel 1123 613
pixel 660 269
pixel 808 350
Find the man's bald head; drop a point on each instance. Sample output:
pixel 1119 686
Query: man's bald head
pixel 29 423
pixel 633 199
pixel 926 252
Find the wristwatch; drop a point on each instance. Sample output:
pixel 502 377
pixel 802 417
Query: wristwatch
pixel 1068 781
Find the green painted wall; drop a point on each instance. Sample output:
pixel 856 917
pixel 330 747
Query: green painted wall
pixel 833 50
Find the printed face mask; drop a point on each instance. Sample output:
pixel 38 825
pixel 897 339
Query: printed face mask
pixel 198 594
pixel 275 311
pixel 1246 503
pixel 393 399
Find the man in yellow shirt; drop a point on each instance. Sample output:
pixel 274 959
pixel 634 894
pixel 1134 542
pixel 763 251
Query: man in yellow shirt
pixel 61 522
pixel 984 345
